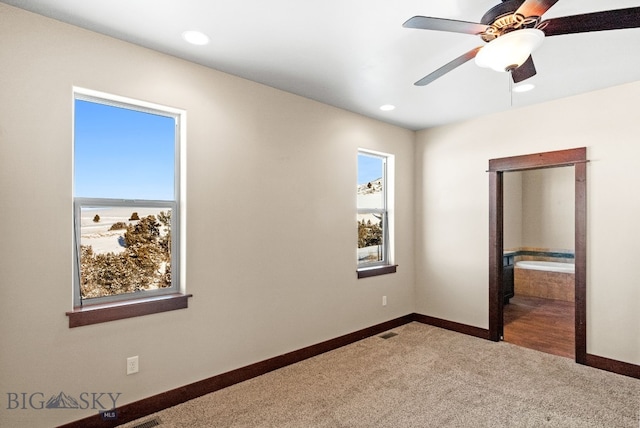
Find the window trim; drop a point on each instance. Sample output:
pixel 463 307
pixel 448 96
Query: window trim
pixel 385 265
pixel 367 272
pixel 99 313
pixel 132 304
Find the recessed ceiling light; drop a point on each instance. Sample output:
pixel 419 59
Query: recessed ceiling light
pixel 526 87
pixel 195 38
pixel 387 107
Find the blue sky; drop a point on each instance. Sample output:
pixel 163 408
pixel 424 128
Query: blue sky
pixel 121 153
pixel 369 168
pixel 127 154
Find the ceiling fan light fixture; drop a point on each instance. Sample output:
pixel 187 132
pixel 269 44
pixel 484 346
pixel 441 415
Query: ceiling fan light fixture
pixel 510 50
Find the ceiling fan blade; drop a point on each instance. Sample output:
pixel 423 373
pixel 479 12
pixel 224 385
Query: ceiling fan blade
pixel 448 67
pixel 441 24
pixel 525 71
pixel 535 7
pixel 597 21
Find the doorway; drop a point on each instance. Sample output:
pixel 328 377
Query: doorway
pixel 539 232
pixel 571 157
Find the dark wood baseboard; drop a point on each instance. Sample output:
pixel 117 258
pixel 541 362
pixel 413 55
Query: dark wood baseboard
pixel 451 325
pixel 614 366
pixel 136 410
pixel 147 406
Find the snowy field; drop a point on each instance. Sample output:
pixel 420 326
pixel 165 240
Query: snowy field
pixel 98 235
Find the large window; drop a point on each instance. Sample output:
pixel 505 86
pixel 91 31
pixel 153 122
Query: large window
pixel 373 212
pixel 126 200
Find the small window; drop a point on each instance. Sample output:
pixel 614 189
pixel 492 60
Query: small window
pixel 126 199
pixel 373 211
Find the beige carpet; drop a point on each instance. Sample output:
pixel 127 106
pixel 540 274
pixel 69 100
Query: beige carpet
pixel 423 377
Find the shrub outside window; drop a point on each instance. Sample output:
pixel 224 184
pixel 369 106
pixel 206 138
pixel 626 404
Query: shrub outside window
pixel 126 200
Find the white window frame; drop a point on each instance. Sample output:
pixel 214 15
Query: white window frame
pixel 176 205
pixel 385 212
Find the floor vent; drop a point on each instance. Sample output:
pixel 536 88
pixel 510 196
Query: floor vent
pixel 388 335
pixel 148 424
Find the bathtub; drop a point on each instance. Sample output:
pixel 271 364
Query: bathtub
pixel 548 280
pixel 546 266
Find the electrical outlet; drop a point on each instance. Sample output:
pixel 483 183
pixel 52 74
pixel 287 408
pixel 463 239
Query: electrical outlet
pixel 132 365
pixel 384 300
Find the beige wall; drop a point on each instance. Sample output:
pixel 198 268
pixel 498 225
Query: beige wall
pixel 452 209
pixel 271 229
pixel 539 209
pixel 548 208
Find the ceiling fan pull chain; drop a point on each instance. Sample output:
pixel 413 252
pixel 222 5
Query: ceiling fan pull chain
pixel 510 88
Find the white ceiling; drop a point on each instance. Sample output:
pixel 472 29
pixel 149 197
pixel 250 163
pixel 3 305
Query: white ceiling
pixel 356 55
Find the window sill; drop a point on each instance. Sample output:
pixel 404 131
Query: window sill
pixel 126 309
pixel 376 271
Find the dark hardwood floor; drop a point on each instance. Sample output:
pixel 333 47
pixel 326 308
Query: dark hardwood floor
pixel 542 324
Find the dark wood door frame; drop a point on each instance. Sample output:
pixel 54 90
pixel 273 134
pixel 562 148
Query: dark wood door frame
pixel 571 157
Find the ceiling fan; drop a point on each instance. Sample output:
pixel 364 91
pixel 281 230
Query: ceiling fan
pixel 513 30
